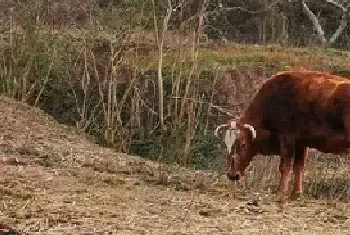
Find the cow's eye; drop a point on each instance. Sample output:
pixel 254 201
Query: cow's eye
pixel 243 145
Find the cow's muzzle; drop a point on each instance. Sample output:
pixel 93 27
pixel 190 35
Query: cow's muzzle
pixel 234 177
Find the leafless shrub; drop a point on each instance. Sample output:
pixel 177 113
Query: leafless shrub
pixel 326 176
pixel 54 14
pixel 20 75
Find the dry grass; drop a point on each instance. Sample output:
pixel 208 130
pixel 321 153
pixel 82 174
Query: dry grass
pixel 274 57
pixel 143 52
pixel 54 181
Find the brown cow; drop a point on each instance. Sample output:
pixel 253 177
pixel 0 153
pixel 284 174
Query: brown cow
pixel 293 111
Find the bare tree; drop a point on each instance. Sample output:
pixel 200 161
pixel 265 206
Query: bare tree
pixel 160 33
pixel 317 26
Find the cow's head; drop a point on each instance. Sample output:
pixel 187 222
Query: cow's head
pixel 240 147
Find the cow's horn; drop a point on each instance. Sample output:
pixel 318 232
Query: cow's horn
pixel 251 128
pixel 218 128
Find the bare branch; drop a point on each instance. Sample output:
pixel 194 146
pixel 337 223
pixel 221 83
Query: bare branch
pixel 315 23
pixel 242 9
pixel 344 20
pixel 144 104
pixel 337 5
pixel 220 109
pixel 320 33
pixel 341 28
pixel 239 9
pixel 160 61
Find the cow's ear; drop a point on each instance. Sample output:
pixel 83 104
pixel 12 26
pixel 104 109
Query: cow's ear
pixel 262 134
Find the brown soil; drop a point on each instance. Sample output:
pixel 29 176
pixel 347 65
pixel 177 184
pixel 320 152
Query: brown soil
pixel 54 181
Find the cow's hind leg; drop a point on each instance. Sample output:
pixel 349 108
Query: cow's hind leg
pixel 301 155
pixel 347 127
pixel 285 169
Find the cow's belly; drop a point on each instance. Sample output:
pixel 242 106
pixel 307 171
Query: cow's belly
pixel 272 147
pixel 335 143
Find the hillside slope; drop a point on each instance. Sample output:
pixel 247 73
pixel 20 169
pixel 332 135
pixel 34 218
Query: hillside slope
pixel 54 181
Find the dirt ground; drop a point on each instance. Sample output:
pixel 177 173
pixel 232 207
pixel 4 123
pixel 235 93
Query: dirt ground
pixel 54 181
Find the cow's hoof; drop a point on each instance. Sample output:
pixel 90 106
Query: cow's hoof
pixel 281 197
pixel 296 196
pixel 233 177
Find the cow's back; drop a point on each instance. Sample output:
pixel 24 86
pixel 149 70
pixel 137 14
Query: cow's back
pixel 302 103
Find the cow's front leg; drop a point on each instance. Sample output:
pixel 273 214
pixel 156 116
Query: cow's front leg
pixel 287 155
pixel 301 156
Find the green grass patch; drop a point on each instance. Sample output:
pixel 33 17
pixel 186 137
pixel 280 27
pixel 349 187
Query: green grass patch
pixel 141 51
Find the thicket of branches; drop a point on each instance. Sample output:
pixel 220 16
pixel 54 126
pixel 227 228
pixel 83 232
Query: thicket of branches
pixel 134 74
pixel 293 22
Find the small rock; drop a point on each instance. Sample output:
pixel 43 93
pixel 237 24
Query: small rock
pixel 253 203
pixel 203 212
pixel 12 161
pixel 340 217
